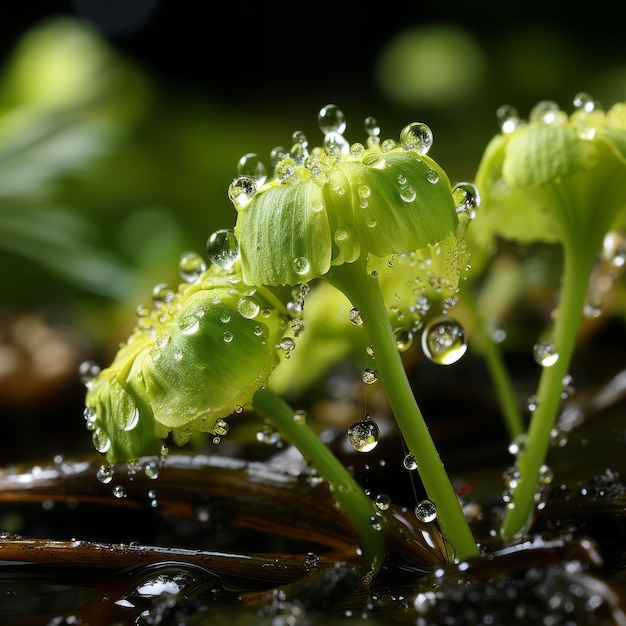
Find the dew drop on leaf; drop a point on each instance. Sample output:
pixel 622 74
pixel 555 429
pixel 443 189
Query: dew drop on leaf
pixel 250 165
pixel 416 137
pixel 223 248
pixel 191 266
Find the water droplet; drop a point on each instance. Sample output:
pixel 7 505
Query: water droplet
pixel 545 353
pixel 227 336
pixel 355 316
pixel 432 176
pixel 508 118
pixel 162 294
pixel 331 119
pixel 382 501
pixel 425 511
pixel 119 491
pixel 287 344
pixel 241 191
pixel 547 112
pixel 407 193
pixel 466 199
pixel 91 417
pixel 105 474
pixel 409 462
pixel 519 444
pixel 191 266
pixel 369 376
pixel 416 137
pixel 248 307
pixel 372 128
pixel 444 341
pixel 142 310
pixel 405 339
pixel 568 387
pixel 152 470
pixel 301 266
pixel 363 435
pixel 251 166
pixel 189 324
pixel 221 427
pixel 335 143
pixel 101 440
pixel 375 160
pixel 532 403
pixel 584 102
pixel 268 435
pixel 223 248
pixel 87 371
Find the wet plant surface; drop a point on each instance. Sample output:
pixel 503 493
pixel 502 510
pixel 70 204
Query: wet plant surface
pixel 245 532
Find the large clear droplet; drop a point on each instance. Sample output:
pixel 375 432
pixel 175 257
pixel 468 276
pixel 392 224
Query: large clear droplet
pixel 252 166
pixel 364 435
pixel 416 137
pixel 241 190
pixel 248 307
pixel 404 339
pixel 545 353
pixel 223 248
pixel 466 199
pixel 444 341
pixel 426 511
pixel 331 119
pixel 191 266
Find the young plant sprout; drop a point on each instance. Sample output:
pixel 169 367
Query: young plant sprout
pixel 557 179
pixel 333 212
pixel 200 354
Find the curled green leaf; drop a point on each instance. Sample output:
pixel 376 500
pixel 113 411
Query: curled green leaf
pixel 334 204
pixel 199 355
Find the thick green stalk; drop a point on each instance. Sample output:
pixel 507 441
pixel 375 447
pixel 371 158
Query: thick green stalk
pixel 349 495
pixel 503 385
pixel 364 292
pixel 577 268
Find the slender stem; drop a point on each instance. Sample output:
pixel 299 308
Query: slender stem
pixel 364 292
pixel 368 521
pixel 577 268
pixel 497 370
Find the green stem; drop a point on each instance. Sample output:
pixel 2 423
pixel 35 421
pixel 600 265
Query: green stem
pixel 497 370
pixel 577 268
pixel 364 293
pixel 349 495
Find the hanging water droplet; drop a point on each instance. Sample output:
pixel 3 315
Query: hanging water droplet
pixel 87 371
pixel 221 427
pixel 532 403
pixel 382 501
pixel 331 119
pixel 223 248
pixel 416 137
pixel 91 417
pixel 466 199
pixel 519 444
pixel 568 386
pixel 241 190
pixel 369 376
pixel 425 511
pixel 251 166
pixel 409 462
pixel 248 307
pixel 101 440
pixel 369 350
pixel 363 435
pixel 545 353
pixel 355 316
pixel 191 266
pixel 335 143
pixel 287 344
pixel 444 341
pixel 405 339
pixel 152 470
